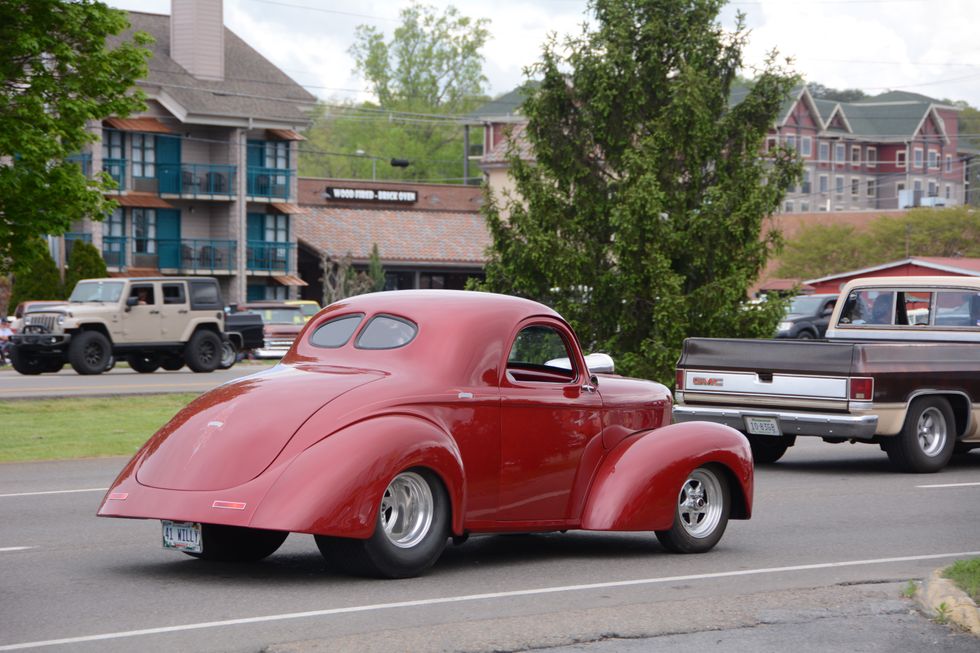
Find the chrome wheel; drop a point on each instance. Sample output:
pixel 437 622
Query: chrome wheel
pixel 931 431
pixel 699 503
pixel 407 508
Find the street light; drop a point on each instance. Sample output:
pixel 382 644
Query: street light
pixel 395 163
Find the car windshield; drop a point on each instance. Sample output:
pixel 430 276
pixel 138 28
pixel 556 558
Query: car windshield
pixel 804 305
pixel 97 291
pixel 282 315
pixel 309 309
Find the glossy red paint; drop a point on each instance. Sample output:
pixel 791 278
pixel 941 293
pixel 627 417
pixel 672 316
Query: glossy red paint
pixel 311 444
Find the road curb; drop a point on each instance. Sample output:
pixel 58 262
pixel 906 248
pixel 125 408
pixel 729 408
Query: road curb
pixel 960 608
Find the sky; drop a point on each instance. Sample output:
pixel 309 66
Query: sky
pixel 924 46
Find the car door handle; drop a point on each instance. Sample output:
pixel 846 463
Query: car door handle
pixel 154 312
pixel 182 311
pixel 588 388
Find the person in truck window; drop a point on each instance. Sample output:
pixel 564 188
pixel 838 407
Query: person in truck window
pixel 881 309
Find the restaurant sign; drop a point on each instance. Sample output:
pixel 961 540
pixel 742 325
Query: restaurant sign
pixel 370 195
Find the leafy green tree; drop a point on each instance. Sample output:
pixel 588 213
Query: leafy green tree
pixel 818 90
pixel 84 262
pixel 58 74
pixel 376 270
pixel 39 277
pixel 640 218
pixel 425 75
pixel 822 249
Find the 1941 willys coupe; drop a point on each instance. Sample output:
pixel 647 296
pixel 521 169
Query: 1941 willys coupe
pixel 400 419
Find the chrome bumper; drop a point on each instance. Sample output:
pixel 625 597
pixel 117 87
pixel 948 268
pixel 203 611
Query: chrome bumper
pixel 828 425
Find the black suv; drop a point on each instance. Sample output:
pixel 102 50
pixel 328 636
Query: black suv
pixel 807 316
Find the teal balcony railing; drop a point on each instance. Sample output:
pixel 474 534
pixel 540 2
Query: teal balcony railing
pixel 84 161
pixel 196 179
pixel 115 250
pixel 269 256
pixel 117 170
pixel 269 182
pixel 196 254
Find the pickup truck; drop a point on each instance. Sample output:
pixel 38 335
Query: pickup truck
pixel 900 368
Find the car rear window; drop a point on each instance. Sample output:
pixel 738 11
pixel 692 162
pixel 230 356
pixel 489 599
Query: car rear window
pixel 386 332
pixel 335 333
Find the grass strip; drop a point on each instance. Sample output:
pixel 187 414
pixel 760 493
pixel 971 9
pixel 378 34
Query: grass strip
pixel 83 427
pixel 966 575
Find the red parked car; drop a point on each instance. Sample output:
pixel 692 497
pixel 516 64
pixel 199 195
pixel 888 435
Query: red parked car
pixel 400 419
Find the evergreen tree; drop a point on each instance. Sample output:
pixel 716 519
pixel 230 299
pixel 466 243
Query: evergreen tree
pixel 39 279
pixel 85 262
pixel 640 217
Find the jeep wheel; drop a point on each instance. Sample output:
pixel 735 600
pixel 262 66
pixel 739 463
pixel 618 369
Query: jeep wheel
pixel 203 352
pixel 229 354
pixel 30 365
pixel 171 363
pixel 89 352
pixel 144 363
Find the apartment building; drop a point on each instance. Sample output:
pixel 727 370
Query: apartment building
pixel 206 176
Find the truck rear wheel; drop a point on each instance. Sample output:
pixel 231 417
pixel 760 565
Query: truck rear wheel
pixel 229 355
pixel 928 437
pixel 768 449
pixel 89 352
pixel 203 352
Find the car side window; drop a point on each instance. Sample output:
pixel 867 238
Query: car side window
pixel 143 294
pixel 869 307
pixel 957 308
pixel 173 293
pixel 386 332
pixel 335 333
pixel 535 353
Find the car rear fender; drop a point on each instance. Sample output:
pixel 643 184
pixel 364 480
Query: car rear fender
pixel 636 486
pixel 334 487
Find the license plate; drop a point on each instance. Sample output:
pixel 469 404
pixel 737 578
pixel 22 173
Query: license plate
pixel 762 426
pixel 182 536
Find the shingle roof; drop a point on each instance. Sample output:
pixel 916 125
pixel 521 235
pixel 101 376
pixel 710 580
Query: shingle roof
pixel 498 154
pixel 253 86
pixel 404 236
pixel 885 120
pixel 506 106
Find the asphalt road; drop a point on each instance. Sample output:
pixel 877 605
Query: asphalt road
pixel 121 380
pixel 822 564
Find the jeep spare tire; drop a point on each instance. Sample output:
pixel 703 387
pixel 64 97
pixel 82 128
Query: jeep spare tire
pixel 203 352
pixel 89 352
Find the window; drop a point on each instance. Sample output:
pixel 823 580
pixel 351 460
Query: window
pixel 791 141
pixel 277 154
pixel 335 333
pixel 144 155
pixel 144 231
pixel 205 295
pixel 949 192
pixel 900 159
pixel 114 225
pixel 839 185
pixel 840 153
pixel 386 332
pixel 872 190
pixel 173 293
pixel 539 353
pixel 855 186
pixel 788 206
pixel 806 186
pixel 949 163
pixel 933 159
pixel 917 186
pixel 770 144
pixel 868 307
pixel 823 184
pixel 957 308
pixel 112 144
pixel 806 146
pixel 856 155
pixel 872 156
pixel 804 206
pixel 143 294
pixel 914 307
pixel 277 227
pixel 917 157
pixel 933 189
pixel 823 152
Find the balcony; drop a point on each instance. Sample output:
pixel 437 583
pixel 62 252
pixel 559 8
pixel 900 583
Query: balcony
pixel 269 256
pixel 186 256
pixel 116 168
pixel 269 183
pixel 71 238
pixel 197 180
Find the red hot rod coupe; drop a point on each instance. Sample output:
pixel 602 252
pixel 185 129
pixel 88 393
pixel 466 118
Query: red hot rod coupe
pixel 400 419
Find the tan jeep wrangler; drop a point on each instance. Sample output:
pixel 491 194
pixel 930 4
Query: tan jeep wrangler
pixel 149 322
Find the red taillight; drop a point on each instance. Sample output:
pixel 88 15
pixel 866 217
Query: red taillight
pixel 679 380
pixel 862 388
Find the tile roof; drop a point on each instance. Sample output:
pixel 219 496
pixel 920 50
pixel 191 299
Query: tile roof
pixel 402 236
pixel 498 155
pixel 253 86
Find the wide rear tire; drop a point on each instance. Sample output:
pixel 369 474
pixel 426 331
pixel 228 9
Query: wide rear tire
pixel 701 516
pixel 411 531
pixel 203 352
pixel 238 544
pixel 768 449
pixel 927 439
pixel 89 352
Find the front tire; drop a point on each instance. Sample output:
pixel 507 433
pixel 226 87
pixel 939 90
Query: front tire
pixel 411 531
pixel 768 449
pixel 203 352
pixel 89 352
pixel 927 439
pixel 701 515
pixel 238 544
pixel 29 365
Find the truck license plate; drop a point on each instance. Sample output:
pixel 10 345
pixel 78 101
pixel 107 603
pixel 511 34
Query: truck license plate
pixel 762 426
pixel 182 536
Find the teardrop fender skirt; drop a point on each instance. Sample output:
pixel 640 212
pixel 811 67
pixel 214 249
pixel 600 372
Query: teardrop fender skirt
pixel 636 486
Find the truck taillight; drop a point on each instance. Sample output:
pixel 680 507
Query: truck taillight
pixel 862 388
pixel 679 380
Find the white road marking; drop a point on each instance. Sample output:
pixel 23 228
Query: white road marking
pixel 473 597
pixel 15 548
pixel 34 494
pixel 949 485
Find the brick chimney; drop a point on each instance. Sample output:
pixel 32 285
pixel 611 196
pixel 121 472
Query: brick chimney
pixel 197 37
